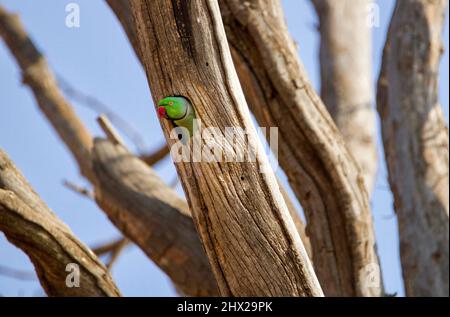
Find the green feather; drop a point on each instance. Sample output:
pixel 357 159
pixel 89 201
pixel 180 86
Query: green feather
pixel 180 111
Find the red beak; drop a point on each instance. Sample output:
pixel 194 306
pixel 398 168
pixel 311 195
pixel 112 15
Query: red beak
pixel 162 112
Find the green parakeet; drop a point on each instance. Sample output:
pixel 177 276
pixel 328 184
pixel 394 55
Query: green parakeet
pixel 179 110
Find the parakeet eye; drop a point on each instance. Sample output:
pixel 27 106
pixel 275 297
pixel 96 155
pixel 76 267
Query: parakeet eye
pixel 170 103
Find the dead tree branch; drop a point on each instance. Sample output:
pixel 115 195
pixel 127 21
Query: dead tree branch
pixel 99 107
pixel 31 226
pixel 346 77
pixel 156 156
pixel 38 77
pixel 240 214
pixel 153 216
pixel 79 189
pixel 108 247
pixel 315 184
pixel 195 278
pixel 17 274
pixel 415 141
pixel 320 169
pixel 122 10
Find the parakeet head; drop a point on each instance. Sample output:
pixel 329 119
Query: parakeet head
pixel 173 108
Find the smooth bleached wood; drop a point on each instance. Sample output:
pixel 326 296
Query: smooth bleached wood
pixel 346 88
pixel 415 139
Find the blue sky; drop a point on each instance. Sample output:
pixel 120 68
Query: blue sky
pixel 97 59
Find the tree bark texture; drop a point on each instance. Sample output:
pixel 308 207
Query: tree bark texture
pixel 138 202
pixel 193 279
pixel 250 90
pixel 30 225
pixel 346 77
pixel 249 237
pixel 122 10
pixel 415 141
pixel 320 169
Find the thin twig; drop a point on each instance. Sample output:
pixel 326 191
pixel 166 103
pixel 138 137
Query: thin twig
pixel 109 130
pixel 99 107
pixel 155 157
pixel 113 248
pixel 79 189
pixel 116 252
pixel 108 247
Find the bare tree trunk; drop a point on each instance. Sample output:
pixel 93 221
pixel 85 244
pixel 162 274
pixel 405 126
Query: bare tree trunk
pixel 346 77
pixel 122 10
pixel 242 219
pixel 320 169
pixel 140 203
pixel 30 225
pixel 416 143
pixel 298 177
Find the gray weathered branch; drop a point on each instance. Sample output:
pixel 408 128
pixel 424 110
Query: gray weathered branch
pixel 315 196
pixel 416 143
pixel 30 225
pixel 193 279
pixel 346 77
pixel 38 77
pixel 152 215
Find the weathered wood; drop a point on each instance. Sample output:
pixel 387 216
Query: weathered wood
pixel 346 77
pixel 39 78
pixel 79 141
pixel 415 141
pixel 152 215
pixel 243 222
pixel 122 10
pixel 301 229
pixel 320 169
pixel 31 226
